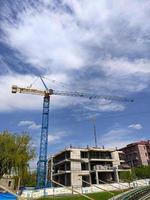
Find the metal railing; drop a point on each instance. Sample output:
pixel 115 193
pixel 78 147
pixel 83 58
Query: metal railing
pixel 73 190
pixel 121 184
pixel 118 188
pixel 98 187
pixel 135 193
pixel 103 167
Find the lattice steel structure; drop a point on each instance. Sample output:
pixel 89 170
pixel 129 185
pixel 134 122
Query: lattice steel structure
pixel 42 163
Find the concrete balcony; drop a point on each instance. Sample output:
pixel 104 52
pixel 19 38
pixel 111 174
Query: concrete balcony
pixel 60 162
pixel 59 172
pixel 102 159
pixel 103 167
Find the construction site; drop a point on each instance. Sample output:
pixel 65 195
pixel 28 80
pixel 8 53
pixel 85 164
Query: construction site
pixel 42 163
pixel 82 167
pixel 76 168
pixel 75 93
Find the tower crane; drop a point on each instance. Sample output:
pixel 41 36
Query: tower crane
pixel 42 162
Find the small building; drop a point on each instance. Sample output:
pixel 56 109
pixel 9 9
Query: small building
pixel 7 181
pixel 84 166
pixel 137 154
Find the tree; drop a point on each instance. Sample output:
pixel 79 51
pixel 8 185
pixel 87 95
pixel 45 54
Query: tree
pixel 30 179
pixel 15 153
pixel 142 172
pixel 136 173
pixel 127 176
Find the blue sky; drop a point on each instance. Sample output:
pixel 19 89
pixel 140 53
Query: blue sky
pixel 97 47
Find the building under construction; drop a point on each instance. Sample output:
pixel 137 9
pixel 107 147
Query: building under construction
pixel 84 166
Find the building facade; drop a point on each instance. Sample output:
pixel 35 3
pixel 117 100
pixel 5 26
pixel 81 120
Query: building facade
pixel 7 181
pixel 84 166
pixel 137 154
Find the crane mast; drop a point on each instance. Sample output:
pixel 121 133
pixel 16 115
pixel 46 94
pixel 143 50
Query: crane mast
pixel 42 163
pixel 41 180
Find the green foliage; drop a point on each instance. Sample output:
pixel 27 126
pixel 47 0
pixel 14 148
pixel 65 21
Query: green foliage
pixel 29 180
pixel 15 153
pixel 127 176
pixel 136 173
pixel 142 172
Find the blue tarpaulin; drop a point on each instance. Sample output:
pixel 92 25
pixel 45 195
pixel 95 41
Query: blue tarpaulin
pixel 7 196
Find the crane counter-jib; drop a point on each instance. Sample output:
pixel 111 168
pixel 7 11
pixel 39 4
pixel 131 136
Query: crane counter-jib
pixel 16 89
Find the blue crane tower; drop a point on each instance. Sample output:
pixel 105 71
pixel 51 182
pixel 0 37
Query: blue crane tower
pixel 42 162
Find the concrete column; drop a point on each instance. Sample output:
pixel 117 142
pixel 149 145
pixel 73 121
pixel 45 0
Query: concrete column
pixel 97 181
pixel 51 171
pixel 90 178
pixel 116 174
pixel 75 168
pixel 65 179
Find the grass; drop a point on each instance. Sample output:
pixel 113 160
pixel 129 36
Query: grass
pixel 96 196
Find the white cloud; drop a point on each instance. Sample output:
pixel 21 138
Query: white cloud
pixel 135 126
pixel 11 102
pixel 123 66
pixel 96 108
pixel 30 125
pixel 53 139
pixel 25 123
pixel 103 37
pixel 54 39
pixel 55 49
pixel 56 137
pixel 102 106
pixel 4 67
pixel 118 138
pixel 33 164
pixel 111 107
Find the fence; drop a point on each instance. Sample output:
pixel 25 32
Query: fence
pixel 84 190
